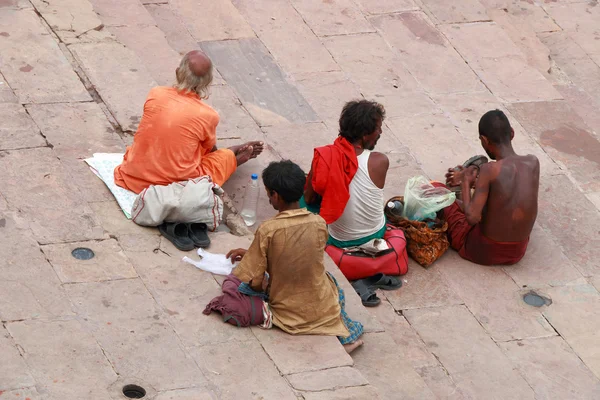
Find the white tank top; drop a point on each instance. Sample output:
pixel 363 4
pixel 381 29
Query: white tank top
pixel 363 215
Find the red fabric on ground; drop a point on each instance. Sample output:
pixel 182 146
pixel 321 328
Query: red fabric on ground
pixel 236 308
pixel 471 243
pixel 333 168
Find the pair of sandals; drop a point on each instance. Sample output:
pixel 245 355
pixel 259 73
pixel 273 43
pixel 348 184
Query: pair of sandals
pixel 366 287
pixel 476 161
pixel 186 237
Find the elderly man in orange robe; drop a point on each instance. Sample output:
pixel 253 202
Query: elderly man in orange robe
pixel 176 139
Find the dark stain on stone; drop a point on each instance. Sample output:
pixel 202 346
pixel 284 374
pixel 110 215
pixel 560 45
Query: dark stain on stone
pixel 573 140
pixel 110 130
pixel 133 70
pixel 421 28
pixel 8 3
pixel 156 317
pixel 5 34
pixel 2 222
pixel 26 68
pixel 105 303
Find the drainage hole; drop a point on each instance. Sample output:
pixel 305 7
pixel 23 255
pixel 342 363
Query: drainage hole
pixel 535 300
pixel 83 253
pixel 134 391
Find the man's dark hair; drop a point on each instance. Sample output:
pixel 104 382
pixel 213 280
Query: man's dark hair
pixel 359 118
pixel 494 125
pixel 285 178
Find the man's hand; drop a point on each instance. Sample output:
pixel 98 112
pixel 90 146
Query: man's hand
pixel 470 175
pixel 236 255
pixel 455 176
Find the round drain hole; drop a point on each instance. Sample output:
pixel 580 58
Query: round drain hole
pixel 134 392
pixel 83 253
pixel 535 300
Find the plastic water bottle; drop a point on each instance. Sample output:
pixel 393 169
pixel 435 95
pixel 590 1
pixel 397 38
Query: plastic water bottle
pixel 395 207
pixel 251 201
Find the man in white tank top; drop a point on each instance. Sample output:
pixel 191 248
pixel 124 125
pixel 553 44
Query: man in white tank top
pixel 362 218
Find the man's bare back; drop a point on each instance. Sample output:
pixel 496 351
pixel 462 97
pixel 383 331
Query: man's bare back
pixel 511 208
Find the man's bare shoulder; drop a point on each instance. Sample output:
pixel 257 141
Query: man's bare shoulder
pixel 379 160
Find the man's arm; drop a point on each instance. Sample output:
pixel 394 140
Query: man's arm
pixel 253 266
pixel 378 165
pixel 473 205
pixel 310 196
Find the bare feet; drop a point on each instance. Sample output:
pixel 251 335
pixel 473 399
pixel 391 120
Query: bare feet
pixel 350 347
pixel 242 153
pixel 257 148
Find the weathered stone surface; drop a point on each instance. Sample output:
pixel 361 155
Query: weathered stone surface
pixel 333 17
pixel 423 288
pixel 76 131
pixel 378 362
pixel 30 178
pixel 583 104
pixel 72 20
pixel 30 288
pixel 581 21
pixel 563 134
pixel 120 78
pixel 445 148
pixel 150 45
pixel 544 264
pixel 575 314
pixel 126 12
pixel 449 12
pixel 386 6
pixel 496 301
pixel 552 369
pixel 18 130
pixel 30 393
pixel 139 343
pixel 215 20
pixel 471 358
pixel 235 379
pixel 418 40
pixel 327 92
pixel 260 84
pixel 109 262
pixel 499 63
pixel 236 125
pixel 302 353
pixel 6 93
pixel 14 372
pixel 524 13
pixel 574 227
pixel 278 24
pixel 65 359
pixel 187 394
pixel 352 393
pixel 440 383
pixel 466 109
pixel 327 379
pixel 37 71
pixel 369 52
pixel 183 291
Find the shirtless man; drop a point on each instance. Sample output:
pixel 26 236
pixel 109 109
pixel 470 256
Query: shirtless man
pixel 492 225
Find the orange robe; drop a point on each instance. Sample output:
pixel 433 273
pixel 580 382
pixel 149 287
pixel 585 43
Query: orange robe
pixel 173 143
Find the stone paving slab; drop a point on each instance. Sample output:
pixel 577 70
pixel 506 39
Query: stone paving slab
pixel 31 177
pixel 482 45
pixel 552 369
pixel 575 315
pixel 261 86
pixel 109 262
pixel 583 104
pixel 328 379
pixel 187 394
pixel 6 93
pixel 30 393
pixel 140 343
pixel 417 39
pixel 278 24
pixel 302 353
pixel 18 131
pixel 119 76
pixel 580 20
pixel 65 359
pixel 476 364
pixel 125 12
pixel 236 123
pixel 353 393
pixel 495 300
pixel 385 6
pixel 234 368
pixel 42 74
pixel 332 17
pixel 566 138
pixel 14 372
pixel 465 11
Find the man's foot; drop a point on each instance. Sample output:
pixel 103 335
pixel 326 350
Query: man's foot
pixel 257 148
pixel 242 153
pixel 350 347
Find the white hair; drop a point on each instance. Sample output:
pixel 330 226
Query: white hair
pixel 187 81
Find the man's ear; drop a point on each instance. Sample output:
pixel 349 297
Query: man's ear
pixel 512 133
pixel 484 140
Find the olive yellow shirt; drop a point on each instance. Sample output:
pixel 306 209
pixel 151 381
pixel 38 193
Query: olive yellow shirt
pixel 302 296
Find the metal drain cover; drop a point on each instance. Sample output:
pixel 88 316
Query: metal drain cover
pixel 83 253
pixel 535 300
pixel 134 392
